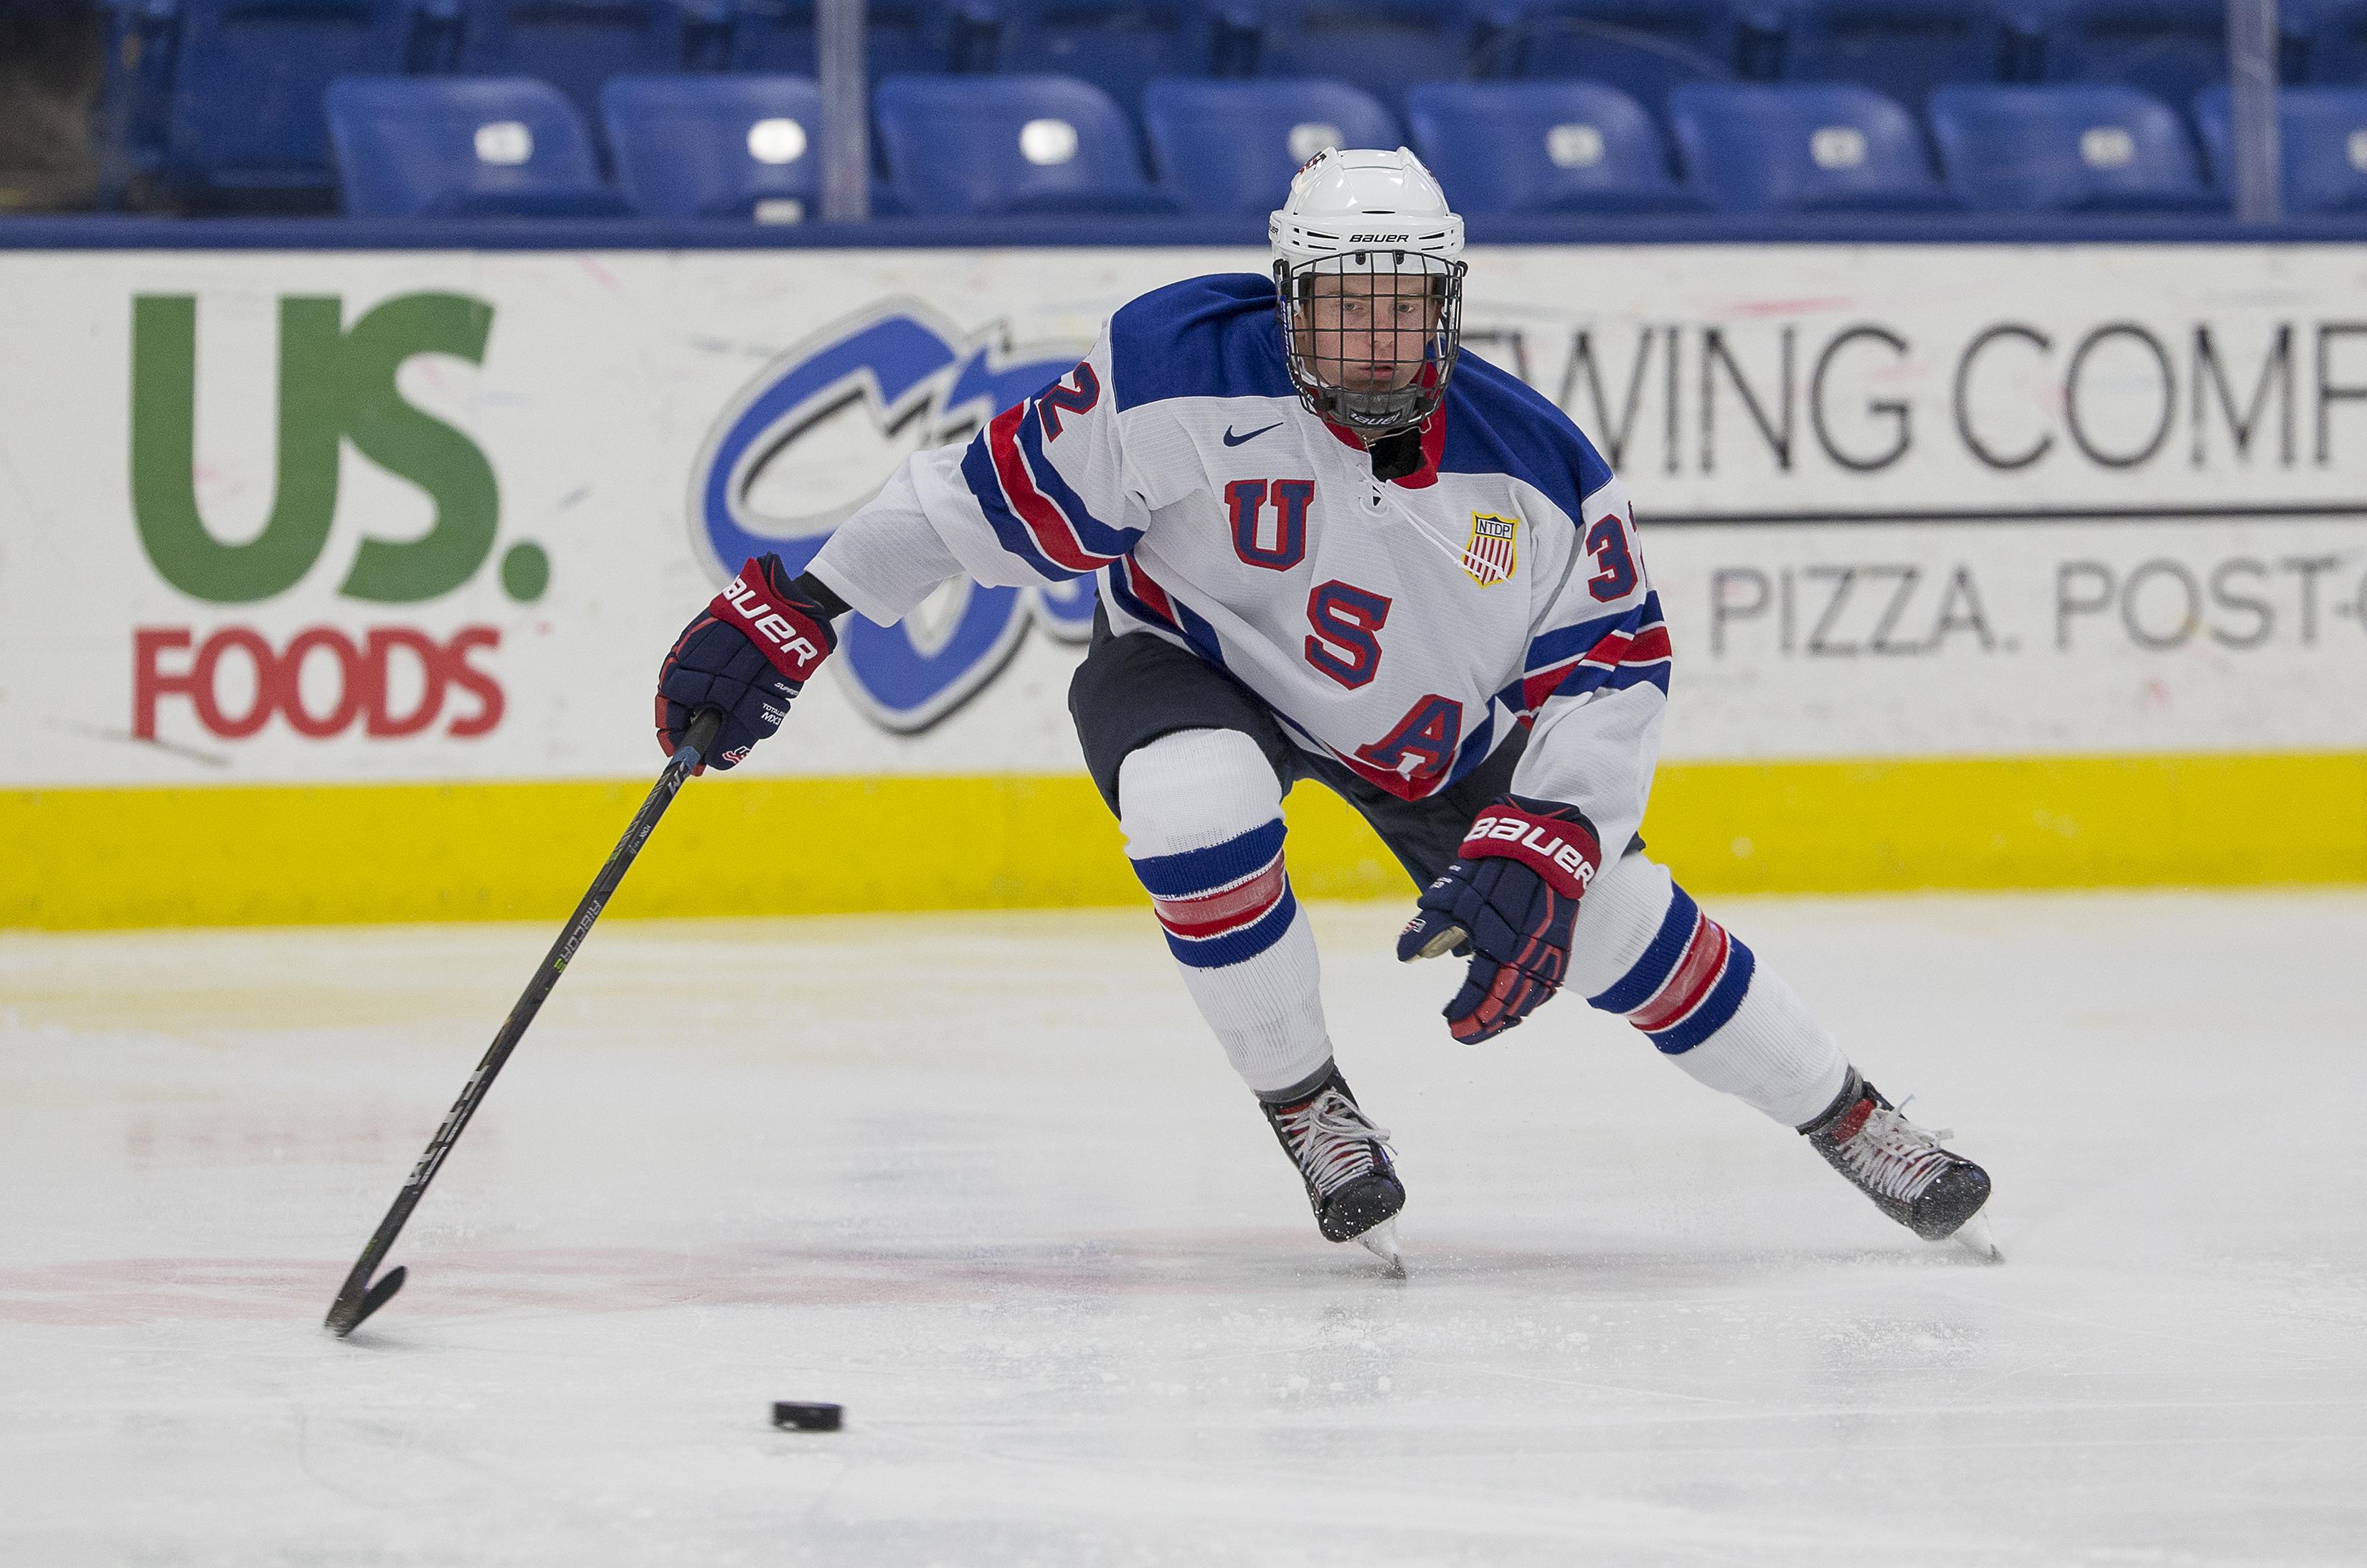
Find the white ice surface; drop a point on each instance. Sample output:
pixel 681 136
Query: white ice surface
pixel 984 1180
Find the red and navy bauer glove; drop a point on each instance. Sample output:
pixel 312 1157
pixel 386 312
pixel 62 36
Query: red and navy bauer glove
pixel 1508 900
pixel 747 653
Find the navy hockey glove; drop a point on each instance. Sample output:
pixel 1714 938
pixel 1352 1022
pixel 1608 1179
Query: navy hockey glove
pixel 1508 900
pixel 748 653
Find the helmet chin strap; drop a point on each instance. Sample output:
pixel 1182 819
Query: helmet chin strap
pixel 1396 448
pixel 1374 414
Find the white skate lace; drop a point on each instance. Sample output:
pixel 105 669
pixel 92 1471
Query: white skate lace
pixel 1894 1156
pixel 1330 1138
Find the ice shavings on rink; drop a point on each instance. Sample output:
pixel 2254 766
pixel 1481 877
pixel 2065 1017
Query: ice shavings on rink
pixel 984 1180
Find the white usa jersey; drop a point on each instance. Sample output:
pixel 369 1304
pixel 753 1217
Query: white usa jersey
pixel 1404 628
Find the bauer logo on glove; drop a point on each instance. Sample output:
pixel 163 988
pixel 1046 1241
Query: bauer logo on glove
pixel 1543 846
pixel 796 644
pixel 748 654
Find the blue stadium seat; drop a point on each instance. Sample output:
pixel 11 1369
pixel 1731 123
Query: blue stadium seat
pixel 2324 41
pixel 1117 45
pixel 220 100
pixel 777 37
pixel 974 144
pixel 1232 146
pixel 710 146
pixel 458 147
pixel 1382 46
pixel 2321 141
pixel 1902 49
pixel 2067 149
pixel 575 45
pixel 1543 147
pixel 1644 47
pixel 1803 149
pixel 2171 49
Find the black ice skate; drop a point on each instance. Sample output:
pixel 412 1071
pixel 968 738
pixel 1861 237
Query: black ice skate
pixel 1345 1161
pixel 1933 1192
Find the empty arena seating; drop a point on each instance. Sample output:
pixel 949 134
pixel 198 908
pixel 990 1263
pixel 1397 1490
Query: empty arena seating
pixel 959 146
pixel 2322 140
pixel 426 146
pixel 1802 149
pixel 2168 48
pixel 1642 46
pixel 1117 45
pixel 220 99
pixel 577 45
pixel 1905 47
pixel 1543 147
pixel 2082 149
pixel 714 146
pixel 1232 146
pixel 1203 105
pixel 778 38
pixel 2324 41
pixel 1382 46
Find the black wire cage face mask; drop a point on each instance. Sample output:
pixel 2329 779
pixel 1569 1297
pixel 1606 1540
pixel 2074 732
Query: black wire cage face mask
pixel 1380 291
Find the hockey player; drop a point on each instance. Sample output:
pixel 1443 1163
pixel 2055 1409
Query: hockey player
pixel 1332 545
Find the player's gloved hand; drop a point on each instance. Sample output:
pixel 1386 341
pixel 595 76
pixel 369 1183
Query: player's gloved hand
pixel 748 653
pixel 1508 900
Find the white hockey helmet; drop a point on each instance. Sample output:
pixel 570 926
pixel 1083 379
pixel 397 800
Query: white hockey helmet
pixel 1378 215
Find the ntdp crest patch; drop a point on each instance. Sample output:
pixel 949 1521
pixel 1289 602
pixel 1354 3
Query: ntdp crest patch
pixel 1493 550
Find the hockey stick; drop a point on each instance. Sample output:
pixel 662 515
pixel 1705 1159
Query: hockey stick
pixel 359 1298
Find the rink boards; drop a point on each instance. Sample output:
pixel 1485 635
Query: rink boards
pixel 331 583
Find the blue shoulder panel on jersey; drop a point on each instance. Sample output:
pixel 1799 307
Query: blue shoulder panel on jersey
pixel 1496 423
pixel 1212 336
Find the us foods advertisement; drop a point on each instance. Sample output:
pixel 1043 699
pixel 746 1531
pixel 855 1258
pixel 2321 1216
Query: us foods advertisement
pixel 292 517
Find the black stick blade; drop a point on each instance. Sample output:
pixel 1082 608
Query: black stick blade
pixel 347 1316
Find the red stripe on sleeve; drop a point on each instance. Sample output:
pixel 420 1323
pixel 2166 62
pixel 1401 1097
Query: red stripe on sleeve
pixel 1648 646
pixel 1043 519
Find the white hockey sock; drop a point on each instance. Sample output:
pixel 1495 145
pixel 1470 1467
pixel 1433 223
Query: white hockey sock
pixel 1202 811
pixel 1771 1054
pixel 1645 949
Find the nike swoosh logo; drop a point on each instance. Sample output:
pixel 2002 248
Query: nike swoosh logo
pixel 1233 440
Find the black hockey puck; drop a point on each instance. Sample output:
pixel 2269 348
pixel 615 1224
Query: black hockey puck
pixel 791 1416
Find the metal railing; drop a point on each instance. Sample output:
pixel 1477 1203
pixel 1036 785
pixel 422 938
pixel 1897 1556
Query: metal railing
pixel 2252 109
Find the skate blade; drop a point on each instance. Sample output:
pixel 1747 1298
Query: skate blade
pixel 1975 1237
pixel 1381 1241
